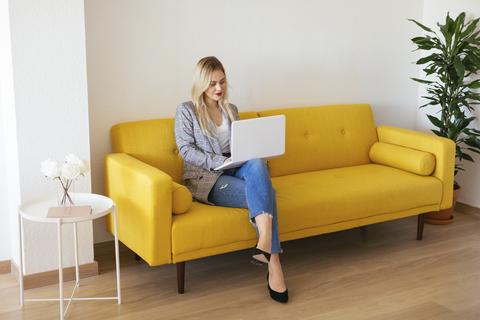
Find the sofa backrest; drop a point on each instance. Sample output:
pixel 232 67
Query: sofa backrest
pixel 150 141
pixel 317 138
pixel 153 142
pixel 325 137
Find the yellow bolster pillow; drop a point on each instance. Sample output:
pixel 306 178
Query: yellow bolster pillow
pixel 411 160
pixel 181 198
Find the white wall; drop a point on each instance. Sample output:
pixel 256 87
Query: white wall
pixel 5 235
pixel 141 56
pixel 7 135
pixel 46 116
pixel 436 11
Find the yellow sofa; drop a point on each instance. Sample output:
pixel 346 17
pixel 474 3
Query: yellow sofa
pixel 338 172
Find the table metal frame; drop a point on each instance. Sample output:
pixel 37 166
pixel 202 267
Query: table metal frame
pixel 59 222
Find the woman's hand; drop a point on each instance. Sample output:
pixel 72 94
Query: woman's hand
pixel 227 160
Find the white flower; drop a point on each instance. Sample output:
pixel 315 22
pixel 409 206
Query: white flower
pixel 72 158
pixel 70 171
pixel 73 167
pixel 51 168
pixel 82 164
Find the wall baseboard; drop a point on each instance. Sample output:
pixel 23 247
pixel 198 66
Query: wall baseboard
pixel 467 209
pixel 5 266
pixel 108 247
pixel 47 278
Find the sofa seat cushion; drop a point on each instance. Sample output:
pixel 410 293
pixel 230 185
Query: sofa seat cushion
pixel 307 200
pixel 320 198
pixel 205 226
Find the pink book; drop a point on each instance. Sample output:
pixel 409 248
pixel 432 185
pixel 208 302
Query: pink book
pixel 69 212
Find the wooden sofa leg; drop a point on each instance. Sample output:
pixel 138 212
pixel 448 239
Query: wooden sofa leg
pixel 421 223
pixel 181 276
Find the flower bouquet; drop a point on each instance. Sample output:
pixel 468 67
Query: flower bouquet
pixel 66 173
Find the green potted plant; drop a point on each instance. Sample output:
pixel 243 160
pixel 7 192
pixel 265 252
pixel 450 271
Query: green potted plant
pixel 454 59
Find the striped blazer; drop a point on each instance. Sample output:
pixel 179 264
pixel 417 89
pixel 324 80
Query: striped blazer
pixel 201 154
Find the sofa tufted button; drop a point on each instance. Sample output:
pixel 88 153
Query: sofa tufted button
pixel 306 136
pixel 176 151
pixel 344 132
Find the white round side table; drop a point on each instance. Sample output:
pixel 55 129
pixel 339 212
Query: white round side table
pixel 36 210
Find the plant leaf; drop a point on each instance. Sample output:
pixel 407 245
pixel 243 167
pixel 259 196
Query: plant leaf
pixel 447 31
pixel 470 28
pixel 421 25
pixel 450 23
pixel 422 81
pixel 467 157
pixel 427 59
pixel 459 24
pixel 436 122
pixel 475 84
pixel 474 59
pixel 458 153
pixel 459 67
pixel 473 150
pixel 473 142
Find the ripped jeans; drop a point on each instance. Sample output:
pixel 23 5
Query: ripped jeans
pixel 249 187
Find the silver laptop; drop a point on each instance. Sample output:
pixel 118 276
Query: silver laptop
pixel 262 138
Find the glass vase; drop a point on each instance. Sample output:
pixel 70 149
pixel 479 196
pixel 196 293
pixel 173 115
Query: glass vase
pixel 66 194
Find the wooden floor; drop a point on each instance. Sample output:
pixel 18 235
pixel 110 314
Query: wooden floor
pixel 377 272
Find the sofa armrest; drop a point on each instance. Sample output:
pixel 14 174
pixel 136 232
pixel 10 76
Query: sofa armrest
pixel 143 195
pixel 443 149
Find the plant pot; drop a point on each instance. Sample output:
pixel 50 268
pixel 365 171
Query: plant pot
pixel 444 216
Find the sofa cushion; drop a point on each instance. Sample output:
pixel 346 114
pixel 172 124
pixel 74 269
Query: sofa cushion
pixel 332 196
pixel 415 161
pixel 181 198
pixel 153 142
pixel 206 226
pixel 326 137
pixel 307 201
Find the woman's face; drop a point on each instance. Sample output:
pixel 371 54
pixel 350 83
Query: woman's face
pixel 216 88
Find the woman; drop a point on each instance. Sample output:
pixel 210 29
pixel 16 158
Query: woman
pixel 202 133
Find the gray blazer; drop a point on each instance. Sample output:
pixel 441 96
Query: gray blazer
pixel 201 154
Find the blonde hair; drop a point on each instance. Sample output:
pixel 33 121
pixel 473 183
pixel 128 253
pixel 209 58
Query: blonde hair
pixel 201 81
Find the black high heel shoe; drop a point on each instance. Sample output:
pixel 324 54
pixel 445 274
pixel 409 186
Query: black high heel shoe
pixel 259 252
pixel 281 297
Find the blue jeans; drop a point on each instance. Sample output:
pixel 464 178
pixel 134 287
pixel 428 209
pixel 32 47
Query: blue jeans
pixel 249 187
